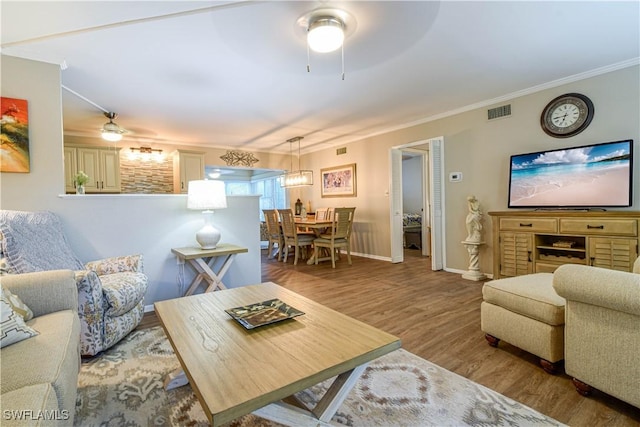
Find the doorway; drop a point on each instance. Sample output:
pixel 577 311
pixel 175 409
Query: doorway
pixel 429 154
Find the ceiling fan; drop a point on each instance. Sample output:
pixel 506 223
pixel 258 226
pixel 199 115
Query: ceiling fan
pixel 110 130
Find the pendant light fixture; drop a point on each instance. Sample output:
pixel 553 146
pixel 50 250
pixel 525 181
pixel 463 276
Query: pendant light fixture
pixel 326 30
pixel 110 130
pixel 298 178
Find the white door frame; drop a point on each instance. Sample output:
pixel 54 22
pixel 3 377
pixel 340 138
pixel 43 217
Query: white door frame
pixel 432 207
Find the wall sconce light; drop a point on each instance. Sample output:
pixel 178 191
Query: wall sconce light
pixel 146 154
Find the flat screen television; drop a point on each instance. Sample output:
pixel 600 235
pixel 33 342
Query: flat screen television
pixel 589 176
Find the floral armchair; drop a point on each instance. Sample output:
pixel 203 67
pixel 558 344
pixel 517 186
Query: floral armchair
pixel 110 291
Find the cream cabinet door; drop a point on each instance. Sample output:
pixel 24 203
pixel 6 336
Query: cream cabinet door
pixel 110 171
pixel 89 163
pixel 190 167
pixel 103 167
pixel 70 169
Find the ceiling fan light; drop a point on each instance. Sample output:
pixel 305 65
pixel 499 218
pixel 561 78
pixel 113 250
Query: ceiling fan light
pixel 325 34
pixel 110 130
pixel 111 136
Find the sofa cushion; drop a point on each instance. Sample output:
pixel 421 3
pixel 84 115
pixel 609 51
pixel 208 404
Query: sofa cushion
pixel 51 357
pixel 122 291
pixel 24 233
pixel 12 326
pixel 28 406
pixel 530 295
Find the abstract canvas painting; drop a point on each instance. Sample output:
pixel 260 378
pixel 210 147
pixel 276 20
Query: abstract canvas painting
pixel 14 135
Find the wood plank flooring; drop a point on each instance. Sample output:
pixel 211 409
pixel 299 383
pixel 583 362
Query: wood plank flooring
pixel 437 316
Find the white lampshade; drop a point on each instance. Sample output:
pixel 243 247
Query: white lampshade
pixel 325 35
pixel 207 195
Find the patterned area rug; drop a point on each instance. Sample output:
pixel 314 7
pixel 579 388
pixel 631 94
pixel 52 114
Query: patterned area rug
pixel 124 387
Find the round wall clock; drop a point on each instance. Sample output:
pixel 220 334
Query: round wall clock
pixel 567 115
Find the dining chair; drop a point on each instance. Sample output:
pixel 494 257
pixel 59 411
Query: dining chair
pixel 274 232
pixel 338 236
pixel 291 235
pixel 324 214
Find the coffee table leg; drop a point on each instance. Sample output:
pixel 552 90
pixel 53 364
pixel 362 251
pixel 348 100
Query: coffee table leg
pixel 327 406
pixel 324 410
pixel 175 379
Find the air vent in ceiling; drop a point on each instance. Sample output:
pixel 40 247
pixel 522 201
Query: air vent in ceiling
pixel 498 112
pixel 342 150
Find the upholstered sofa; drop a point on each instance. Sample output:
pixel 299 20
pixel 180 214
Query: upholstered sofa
pixel 110 291
pixel 602 329
pixel 40 374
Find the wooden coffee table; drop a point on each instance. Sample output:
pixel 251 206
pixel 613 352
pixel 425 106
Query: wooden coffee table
pixel 236 371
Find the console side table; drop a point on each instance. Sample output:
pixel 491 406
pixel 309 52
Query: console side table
pixel 203 261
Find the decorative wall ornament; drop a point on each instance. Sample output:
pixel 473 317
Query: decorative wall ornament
pixel 14 135
pixel 239 158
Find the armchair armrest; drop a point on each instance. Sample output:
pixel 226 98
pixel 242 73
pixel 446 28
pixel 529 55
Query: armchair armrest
pixel 616 290
pixel 44 291
pixel 133 263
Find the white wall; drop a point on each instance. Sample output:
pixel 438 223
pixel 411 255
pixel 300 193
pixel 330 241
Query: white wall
pixel 109 225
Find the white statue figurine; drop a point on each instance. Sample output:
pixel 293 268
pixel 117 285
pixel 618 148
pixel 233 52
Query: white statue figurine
pixel 474 220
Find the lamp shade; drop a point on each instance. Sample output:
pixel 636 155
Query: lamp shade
pixel 206 195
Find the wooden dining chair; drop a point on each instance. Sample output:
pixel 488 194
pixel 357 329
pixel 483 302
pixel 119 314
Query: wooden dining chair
pixel 274 232
pixel 291 236
pixel 338 235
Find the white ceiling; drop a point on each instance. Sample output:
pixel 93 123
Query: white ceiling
pixel 233 74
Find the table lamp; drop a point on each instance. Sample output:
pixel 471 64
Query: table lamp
pixel 206 195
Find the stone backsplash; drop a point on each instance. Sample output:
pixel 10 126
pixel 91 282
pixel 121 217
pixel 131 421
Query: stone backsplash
pixel 146 176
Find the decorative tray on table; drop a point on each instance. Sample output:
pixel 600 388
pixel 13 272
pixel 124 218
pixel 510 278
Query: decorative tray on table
pixel 263 313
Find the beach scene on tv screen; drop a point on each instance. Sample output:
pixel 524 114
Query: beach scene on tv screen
pixel 596 175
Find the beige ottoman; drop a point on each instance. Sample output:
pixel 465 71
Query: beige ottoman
pixel 525 311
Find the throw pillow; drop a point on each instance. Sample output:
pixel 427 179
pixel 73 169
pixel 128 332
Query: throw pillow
pixel 18 306
pixel 12 326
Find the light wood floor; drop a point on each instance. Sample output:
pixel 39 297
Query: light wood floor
pixel 437 316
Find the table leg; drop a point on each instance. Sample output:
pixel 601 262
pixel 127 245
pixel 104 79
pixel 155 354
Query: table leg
pixel 205 272
pixel 324 410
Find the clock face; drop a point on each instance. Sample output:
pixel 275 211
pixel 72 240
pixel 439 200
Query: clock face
pixel 567 115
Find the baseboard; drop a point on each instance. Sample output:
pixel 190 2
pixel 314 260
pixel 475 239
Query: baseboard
pixel 149 308
pixel 380 258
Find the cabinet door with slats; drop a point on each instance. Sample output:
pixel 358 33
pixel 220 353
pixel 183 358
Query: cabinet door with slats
pixel 612 253
pixel 516 254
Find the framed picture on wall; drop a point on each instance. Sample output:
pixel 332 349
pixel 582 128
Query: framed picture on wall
pixel 14 135
pixel 339 181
